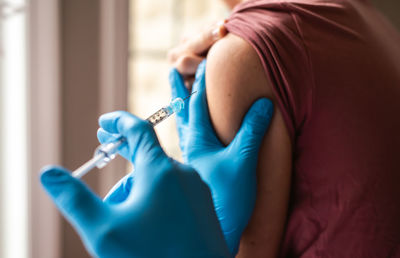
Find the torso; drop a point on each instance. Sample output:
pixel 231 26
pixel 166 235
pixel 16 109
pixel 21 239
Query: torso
pixel 335 70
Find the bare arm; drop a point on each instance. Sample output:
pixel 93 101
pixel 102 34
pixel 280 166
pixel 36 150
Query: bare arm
pixel 235 79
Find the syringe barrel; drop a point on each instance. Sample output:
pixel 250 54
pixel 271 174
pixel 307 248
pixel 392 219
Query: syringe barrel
pixel 160 116
pixel 107 152
pixel 175 106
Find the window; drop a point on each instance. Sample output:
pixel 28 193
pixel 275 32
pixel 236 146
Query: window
pixel 157 26
pixel 13 131
pixel 34 113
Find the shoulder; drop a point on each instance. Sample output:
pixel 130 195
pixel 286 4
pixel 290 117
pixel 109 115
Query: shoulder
pixel 232 59
pixel 235 78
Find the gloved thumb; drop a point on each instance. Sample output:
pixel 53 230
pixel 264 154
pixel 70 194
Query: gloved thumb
pixel 80 206
pixel 255 124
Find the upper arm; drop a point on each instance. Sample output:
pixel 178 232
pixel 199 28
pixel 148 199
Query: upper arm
pixel 235 79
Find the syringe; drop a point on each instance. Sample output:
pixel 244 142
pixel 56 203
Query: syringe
pixel 106 152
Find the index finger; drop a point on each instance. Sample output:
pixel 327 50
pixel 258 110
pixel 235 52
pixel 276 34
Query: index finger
pixel 109 121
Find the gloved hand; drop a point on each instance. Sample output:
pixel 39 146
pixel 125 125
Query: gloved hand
pixel 229 171
pixel 166 212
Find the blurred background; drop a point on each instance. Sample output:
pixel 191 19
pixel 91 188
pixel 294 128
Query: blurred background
pixel 62 64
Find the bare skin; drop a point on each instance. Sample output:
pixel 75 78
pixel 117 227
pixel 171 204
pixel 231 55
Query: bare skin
pixel 235 79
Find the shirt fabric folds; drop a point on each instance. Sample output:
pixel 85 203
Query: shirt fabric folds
pixel 334 67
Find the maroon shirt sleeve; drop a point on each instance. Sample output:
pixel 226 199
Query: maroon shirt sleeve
pixel 334 67
pixel 274 34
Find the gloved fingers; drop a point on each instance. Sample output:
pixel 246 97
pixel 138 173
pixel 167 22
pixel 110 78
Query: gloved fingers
pixel 120 191
pixel 176 81
pixel 233 242
pixel 73 198
pixel 106 137
pixel 253 128
pixel 142 141
pixel 109 121
pixel 199 118
pixel 178 90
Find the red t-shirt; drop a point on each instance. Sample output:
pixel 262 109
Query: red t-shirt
pixel 334 66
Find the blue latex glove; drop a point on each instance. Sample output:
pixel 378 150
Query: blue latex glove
pixel 167 212
pixel 229 171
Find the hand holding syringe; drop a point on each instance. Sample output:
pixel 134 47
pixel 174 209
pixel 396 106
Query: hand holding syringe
pixel 107 151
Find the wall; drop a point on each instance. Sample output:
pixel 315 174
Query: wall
pixel 391 9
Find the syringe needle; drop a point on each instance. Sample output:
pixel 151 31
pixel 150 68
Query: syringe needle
pixel 189 95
